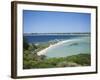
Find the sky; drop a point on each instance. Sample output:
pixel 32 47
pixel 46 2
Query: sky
pixel 55 22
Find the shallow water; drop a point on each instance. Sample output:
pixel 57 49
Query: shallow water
pixel 73 47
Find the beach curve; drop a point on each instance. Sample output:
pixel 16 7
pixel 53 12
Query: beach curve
pixel 42 52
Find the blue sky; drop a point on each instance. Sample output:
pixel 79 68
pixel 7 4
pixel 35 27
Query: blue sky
pixel 55 22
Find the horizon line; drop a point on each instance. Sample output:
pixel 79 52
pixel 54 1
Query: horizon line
pixel 55 33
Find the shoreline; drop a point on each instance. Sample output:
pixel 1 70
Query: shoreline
pixel 42 52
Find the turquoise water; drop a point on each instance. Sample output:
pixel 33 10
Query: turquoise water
pixel 73 47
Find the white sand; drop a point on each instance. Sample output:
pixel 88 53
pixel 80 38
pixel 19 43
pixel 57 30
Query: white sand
pixel 42 52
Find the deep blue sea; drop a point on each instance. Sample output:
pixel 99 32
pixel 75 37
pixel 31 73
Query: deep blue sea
pixel 46 38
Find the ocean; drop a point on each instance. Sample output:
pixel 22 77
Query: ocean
pixel 46 38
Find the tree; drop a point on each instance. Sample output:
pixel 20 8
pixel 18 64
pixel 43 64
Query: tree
pixel 32 47
pixel 43 57
pixel 25 44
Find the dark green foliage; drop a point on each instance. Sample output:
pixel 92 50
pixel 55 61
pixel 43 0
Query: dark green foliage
pixel 25 44
pixel 83 59
pixel 67 64
pixel 35 61
pixel 32 47
pixel 42 57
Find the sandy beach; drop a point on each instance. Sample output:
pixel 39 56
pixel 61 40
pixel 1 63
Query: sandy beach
pixel 42 52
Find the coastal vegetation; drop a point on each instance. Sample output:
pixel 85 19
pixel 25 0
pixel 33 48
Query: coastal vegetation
pixel 32 60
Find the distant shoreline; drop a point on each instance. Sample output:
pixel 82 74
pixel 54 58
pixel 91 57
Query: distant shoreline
pixel 32 34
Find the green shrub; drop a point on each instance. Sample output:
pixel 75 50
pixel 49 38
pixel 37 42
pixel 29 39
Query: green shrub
pixel 34 61
pixel 83 59
pixel 25 44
